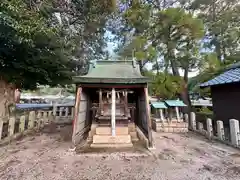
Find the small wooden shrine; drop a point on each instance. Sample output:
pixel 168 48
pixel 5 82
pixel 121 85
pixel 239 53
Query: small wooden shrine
pixel 111 103
pixel 167 116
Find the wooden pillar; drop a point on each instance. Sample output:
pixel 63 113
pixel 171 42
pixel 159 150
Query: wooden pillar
pixel 77 105
pixel 149 122
pixel 161 114
pixel 1 127
pixel 125 103
pixel 177 113
pixel 113 118
pixel 55 109
pixel 66 111
pixel 100 102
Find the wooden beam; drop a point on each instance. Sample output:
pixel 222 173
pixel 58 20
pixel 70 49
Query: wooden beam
pixel 116 86
pixel 77 105
pixel 148 114
pixel 113 114
pixel 100 102
pixel 125 103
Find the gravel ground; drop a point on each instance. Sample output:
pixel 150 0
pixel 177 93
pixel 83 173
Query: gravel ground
pixel 47 156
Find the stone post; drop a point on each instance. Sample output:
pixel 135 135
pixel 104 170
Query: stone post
pixel 209 127
pixel 31 119
pixel 22 124
pixel 39 120
pixel 55 110
pixel 186 118
pixel 50 117
pixel 45 118
pixel 220 130
pixel 113 117
pixel 193 121
pixel 234 132
pixel 200 126
pixel 11 126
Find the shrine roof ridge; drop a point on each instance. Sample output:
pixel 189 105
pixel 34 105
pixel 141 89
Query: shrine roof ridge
pixel 113 71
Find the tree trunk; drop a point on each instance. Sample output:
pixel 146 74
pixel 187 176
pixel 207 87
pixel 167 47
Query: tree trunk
pixel 184 94
pixel 7 96
pixel 17 96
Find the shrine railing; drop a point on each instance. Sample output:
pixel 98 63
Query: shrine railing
pixel 26 118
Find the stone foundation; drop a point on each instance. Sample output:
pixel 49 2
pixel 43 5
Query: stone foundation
pixel 121 139
pixel 173 126
pixel 101 136
pixel 142 137
pixel 108 131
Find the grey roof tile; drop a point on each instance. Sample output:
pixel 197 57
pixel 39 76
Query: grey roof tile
pixel 230 76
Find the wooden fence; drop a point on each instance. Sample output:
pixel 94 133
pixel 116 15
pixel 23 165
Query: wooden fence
pixel 27 120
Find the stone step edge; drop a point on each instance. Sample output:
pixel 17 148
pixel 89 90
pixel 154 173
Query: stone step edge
pixel 110 145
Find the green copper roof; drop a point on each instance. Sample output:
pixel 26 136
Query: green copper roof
pixel 117 72
pixel 158 105
pixel 175 103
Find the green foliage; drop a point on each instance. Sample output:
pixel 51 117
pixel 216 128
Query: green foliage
pixel 36 47
pixel 210 67
pixel 206 111
pixel 222 22
pixel 31 51
pixel 165 86
pixel 178 31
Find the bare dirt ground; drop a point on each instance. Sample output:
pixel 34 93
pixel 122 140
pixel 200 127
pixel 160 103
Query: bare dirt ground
pixel 45 156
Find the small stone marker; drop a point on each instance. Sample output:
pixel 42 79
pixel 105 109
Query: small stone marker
pixel 22 124
pixel 45 118
pixel 39 120
pixel 200 126
pixel 186 118
pixel 50 116
pixel 11 126
pixel 31 119
pixel 193 121
pixel 209 127
pixel 234 132
pixel 220 130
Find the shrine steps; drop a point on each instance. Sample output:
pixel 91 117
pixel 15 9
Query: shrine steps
pixel 125 145
pixel 118 139
pixel 108 131
pixel 101 136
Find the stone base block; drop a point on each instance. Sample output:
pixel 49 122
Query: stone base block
pixel 134 136
pixel 131 127
pixel 177 127
pixel 108 131
pixel 119 139
pixel 125 145
pixel 142 137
